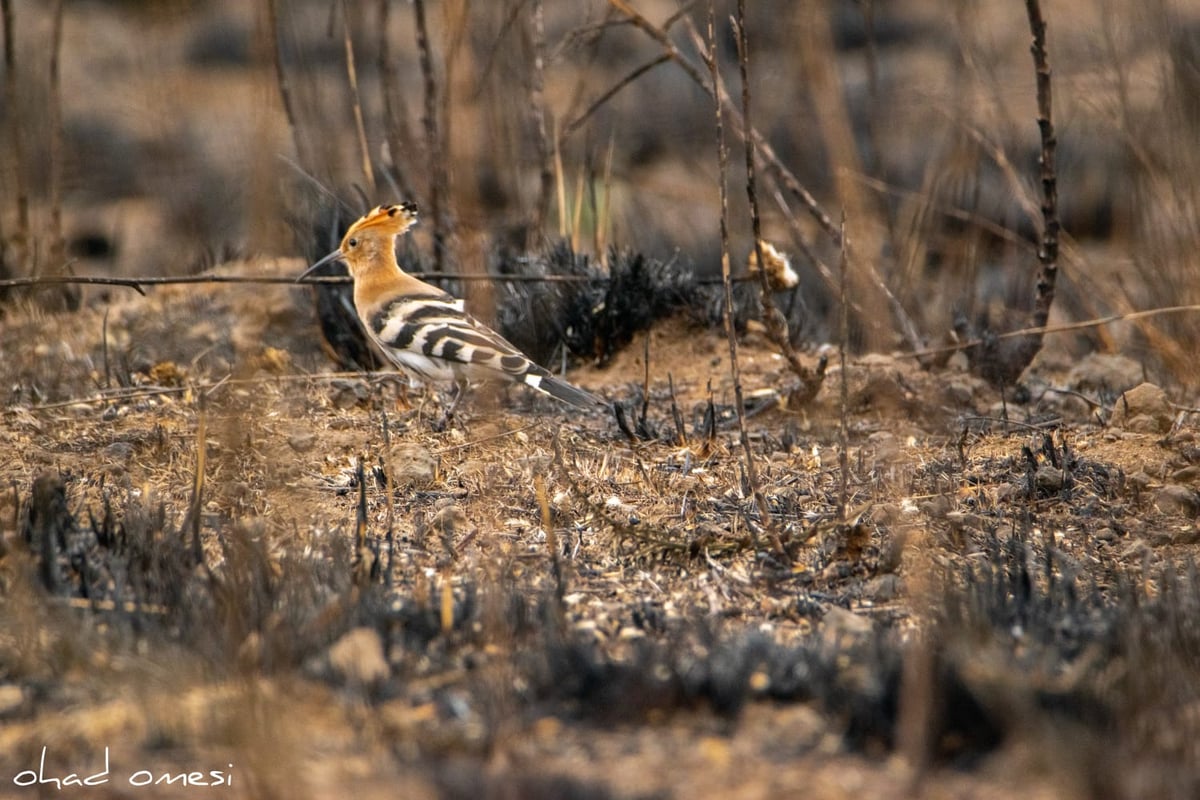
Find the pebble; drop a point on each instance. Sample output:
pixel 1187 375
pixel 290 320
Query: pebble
pixel 1105 372
pixel 411 466
pixel 885 444
pixel 302 442
pixel 1143 409
pixel 118 451
pixel 348 393
pixel 1049 479
pixel 1176 499
pixel 882 588
pixel 358 657
pixel 12 697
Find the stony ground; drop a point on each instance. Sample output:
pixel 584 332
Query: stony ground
pixel 531 604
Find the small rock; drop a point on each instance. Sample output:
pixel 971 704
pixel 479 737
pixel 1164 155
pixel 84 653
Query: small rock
pixel 12 697
pixel 1136 549
pixel 882 393
pixel 958 393
pixel 118 451
pixel 961 521
pixel 1139 479
pixel 1186 475
pixel 250 652
pixel 885 444
pixel 302 442
pixel 411 466
pixel 882 588
pixel 1176 499
pixel 449 521
pixel 958 362
pixel 877 360
pixel 839 624
pixel 1103 371
pixel 347 393
pixel 1143 409
pixel 937 507
pixel 1048 479
pixel 358 657
pixel 1188 534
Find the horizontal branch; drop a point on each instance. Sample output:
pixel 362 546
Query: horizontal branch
pixel 139 284
pixel 1065 327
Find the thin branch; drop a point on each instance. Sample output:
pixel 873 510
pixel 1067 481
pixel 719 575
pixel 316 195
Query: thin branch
pixel 638 72
pixel 57 243
pixel 139 284
pixel 352 75
pixel 395 126
pixel 537 108
pixel 193 518
pixel 133 393
pixel 773 319
pixel 843 383
pixel 10 103
pixel 1003 366
pixel 760 499
pixel 1066 327
pixel 285 89
pixel 433 142
pixel 1048 255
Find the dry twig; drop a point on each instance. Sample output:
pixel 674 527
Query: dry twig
pixel 352 75
pixel 285 89
pixel 1048 254
pixel 439 182
pixel 773 319
pixel 57 243
pixel 844 386
pixel 537 109
pixel 395 126
pixel 17 140
pixel 730 334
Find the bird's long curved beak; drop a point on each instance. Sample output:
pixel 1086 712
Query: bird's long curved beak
pixel 334 256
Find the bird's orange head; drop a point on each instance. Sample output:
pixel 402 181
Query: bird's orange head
pixel 371 240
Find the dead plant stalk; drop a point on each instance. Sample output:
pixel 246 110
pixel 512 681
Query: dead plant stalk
pixel 730 334
pixel 17 141
pixel 773 319
pixel 352 77
pixel 439 180
pixel 285 88
pixel 1048 254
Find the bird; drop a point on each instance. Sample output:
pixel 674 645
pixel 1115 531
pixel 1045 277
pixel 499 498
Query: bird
pixel 424 331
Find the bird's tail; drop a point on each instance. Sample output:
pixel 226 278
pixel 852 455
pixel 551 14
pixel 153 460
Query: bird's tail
pixel 561 390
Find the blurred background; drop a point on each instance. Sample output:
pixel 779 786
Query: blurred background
pixel 160 138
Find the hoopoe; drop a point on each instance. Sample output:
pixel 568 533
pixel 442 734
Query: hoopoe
pixel 421 329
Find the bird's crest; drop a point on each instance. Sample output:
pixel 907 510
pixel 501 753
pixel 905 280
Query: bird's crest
pixel 393 220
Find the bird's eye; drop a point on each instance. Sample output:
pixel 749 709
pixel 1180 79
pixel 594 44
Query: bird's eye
pixel 353 242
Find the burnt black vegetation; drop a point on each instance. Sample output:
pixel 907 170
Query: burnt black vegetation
pixel 1022 636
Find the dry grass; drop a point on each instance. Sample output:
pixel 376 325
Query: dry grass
pixel 455 635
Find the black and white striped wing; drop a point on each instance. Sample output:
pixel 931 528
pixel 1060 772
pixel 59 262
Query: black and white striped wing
pixel 433 337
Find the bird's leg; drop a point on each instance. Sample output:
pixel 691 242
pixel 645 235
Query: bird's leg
pixel 460 389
